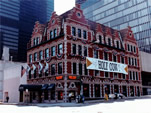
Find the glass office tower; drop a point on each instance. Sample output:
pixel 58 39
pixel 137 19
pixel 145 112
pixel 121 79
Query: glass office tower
pixel 17 19
pixel 119 14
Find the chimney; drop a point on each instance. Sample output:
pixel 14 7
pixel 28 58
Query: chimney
pixel 78 6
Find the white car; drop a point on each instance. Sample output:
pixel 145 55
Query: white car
pixel 116 96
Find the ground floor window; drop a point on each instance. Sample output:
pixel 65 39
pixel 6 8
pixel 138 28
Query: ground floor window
pixel 97 90
pixel 60 95
pixel 107 89
pixel 86 90
pixel 46 95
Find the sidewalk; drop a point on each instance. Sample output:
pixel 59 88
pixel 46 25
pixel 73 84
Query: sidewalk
pixel 74 104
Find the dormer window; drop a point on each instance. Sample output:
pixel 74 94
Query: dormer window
pixel 34 42
pixel 109 41
pixel 73 31
pixel 117 44
pixel 55 33
pixel 100 39
pixel 128 47
pixel 84 34
pixel 51 34
pixel 79 33
pixel 37 40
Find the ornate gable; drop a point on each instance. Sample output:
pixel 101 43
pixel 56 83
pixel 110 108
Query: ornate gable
pixel 76 15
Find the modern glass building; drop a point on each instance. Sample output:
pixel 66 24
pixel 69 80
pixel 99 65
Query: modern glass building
pixel 119 14
pixel 17 19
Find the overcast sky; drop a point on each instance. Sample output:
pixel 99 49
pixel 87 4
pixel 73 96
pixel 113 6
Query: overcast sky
pixel 62 6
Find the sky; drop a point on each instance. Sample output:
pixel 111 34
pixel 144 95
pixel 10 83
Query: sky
pixel 61 6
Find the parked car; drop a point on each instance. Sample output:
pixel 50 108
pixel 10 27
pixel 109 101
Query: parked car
pixel 116 96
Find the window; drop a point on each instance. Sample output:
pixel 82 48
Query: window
pixel 95 54
pixel 74 48
pixel 109 41
pixel 128 47
pixel 55 33
pixel 53 52
pixel 100 38
pixel 134 49
pixel 37 40
pixel 85 51
pixel 114 58
pixel 84 34
pixel 60 49
pixel 30 58
pixel 117 44
pixel 53 69
pixel 73 31
pixel 131 48
pixel 106 74
pixel 79 33
pixel 85 70
pixel 133 75
pixel 115 75
pixel 34 41
pixel 80 69
pixel 60 68
pixel 40 55
pixel 130 74
pixel 35 56
pixel 123 76
pixel 136 75
pixel 129 60
pixel 46 53
pixel 135 62
pixel 80 50
pixel 105 56
pixel 74 68
pixel 122 59
pixel 132 61
pixel 51 34
pixel 96 72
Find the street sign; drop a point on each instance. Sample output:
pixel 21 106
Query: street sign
pixel 104 65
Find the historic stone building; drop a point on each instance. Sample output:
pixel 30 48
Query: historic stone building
pixel 57 54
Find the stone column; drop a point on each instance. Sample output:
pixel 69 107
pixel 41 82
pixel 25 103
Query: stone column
pixel 49 96
pixel 65 90
pixel 101 90
pixel 42 96
pixel 113 88
pixel 93 91
pixel 90 90
pixel 110 88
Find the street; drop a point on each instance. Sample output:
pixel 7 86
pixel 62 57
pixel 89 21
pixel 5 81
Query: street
pixel 126 106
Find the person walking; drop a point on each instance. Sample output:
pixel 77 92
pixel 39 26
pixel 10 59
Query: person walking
pixel 7 99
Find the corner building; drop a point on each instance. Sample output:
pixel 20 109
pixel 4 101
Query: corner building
pixel 64 43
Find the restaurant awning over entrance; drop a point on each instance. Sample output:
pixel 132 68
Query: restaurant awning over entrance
pixel 23 87
pixel 50 86
pixel 44 87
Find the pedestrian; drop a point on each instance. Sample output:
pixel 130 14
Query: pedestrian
pixel 83 99
pixel 70 95
pixel 7 99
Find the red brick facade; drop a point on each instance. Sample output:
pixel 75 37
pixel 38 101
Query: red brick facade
pixel 80 38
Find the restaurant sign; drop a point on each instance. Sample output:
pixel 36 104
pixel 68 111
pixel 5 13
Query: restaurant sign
pixel 104 65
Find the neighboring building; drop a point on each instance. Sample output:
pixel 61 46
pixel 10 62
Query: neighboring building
pixel 10 79
pixel 68 44
pixel 119 14
pixel 17 19
pixel 146 72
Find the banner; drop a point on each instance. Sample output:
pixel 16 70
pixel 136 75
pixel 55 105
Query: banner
pixel 104 65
